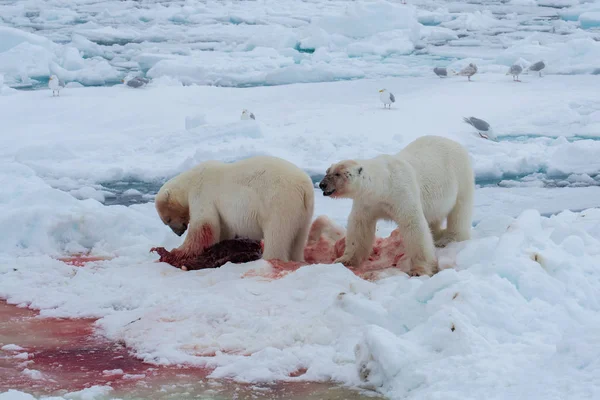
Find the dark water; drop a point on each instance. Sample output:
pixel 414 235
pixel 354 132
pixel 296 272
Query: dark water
pixel 147 190
pixel 531 138
pixel 131 190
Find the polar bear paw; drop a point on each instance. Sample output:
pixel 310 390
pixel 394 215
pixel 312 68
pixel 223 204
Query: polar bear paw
pixel 423 268
pixel 349 262
pixel 443 238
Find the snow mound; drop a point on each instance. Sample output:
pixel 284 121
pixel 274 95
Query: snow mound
pixel 590 20
pixel 194 121
pixel 362 19
pixel 40 220
pixel 26 57
pixel 528 283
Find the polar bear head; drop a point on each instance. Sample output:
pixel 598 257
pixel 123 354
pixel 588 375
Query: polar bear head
pixel 172 210
pixel 341 179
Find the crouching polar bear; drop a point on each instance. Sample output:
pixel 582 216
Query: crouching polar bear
pixel 256 198
pixel 429 181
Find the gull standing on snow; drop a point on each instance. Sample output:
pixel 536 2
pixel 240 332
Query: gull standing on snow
pixel 515 71
pixel 468 71
pixel 136 82
pixel 537 67
pixel 386 98
pixel 247 115
pixel 443 72
pixel 483 128
pixel 55 84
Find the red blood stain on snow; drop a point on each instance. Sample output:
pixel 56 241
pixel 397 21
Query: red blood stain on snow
pixel 79 260
pixel 278 269
pixel 68 356
pixel 298 372
pixel 327 242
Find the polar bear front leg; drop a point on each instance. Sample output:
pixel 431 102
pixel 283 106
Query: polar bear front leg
pixel 418 242
pixel 203 231
pixel 360 237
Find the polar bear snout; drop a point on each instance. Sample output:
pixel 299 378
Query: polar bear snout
pixel 339 178
pixel 327 187
pixel 178 229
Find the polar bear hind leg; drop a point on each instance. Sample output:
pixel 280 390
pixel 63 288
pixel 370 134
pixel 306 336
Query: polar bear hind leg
pixel 277 244
pixel 460 220
pixel 305 224
pixel 284 244
pixel 300 242
pixel 436 231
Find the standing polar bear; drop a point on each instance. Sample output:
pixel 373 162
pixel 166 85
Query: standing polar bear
pixel 429 181
pixel 256 198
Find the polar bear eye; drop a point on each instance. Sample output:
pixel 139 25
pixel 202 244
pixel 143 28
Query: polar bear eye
pixel 169 220
pixel 337 174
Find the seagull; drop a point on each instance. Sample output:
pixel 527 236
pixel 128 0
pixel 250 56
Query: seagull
pixel 515 71
pixel 136 82
pixel 483 128
pixel 537 67
pixel 386 97
pixel 55 84
pixel 443 72
pixel 247 115
pixel 468 71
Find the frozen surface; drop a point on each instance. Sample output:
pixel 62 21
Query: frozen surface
pixel 94 142
pixel 519 298
pixel 515 314
pixel 244 43
pixel 517 306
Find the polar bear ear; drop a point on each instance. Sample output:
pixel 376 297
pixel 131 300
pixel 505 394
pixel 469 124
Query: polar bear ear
pixel 167 194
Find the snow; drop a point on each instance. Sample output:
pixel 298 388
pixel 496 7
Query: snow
pixel 513 315
pixel 112 372
pixel 91 393
pixel 553 131
pixel 11 347
pixel 321 318
pixel 589 20
pixel 282 42
pixel 33 374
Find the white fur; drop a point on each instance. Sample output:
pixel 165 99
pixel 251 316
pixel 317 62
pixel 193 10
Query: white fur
pixel 257 198
pixel 429 181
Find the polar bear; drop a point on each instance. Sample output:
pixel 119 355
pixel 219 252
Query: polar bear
pixel 256 198
pixel 429 181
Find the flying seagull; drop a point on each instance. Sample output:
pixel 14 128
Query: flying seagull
pixel 483 128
